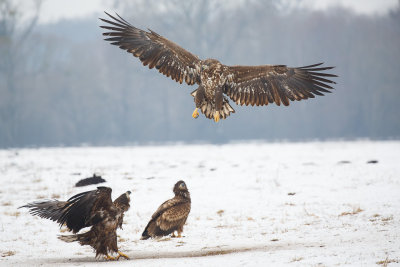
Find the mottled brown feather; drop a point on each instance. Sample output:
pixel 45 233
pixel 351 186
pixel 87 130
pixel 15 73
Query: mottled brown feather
pixel 245 85
pixel 92 208
pixel 170 215
pixel 276 83
pixel 153 50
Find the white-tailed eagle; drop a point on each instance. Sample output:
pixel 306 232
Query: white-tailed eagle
pixel 171 215
pixel 92 208
pixel 245 85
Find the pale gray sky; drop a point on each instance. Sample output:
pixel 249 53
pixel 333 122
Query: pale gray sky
pixel 54 10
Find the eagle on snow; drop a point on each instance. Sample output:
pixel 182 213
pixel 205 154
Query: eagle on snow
pixel 171 215
pixel 92 208
pixel 245 85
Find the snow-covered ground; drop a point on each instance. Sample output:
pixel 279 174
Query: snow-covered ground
pixel 311 204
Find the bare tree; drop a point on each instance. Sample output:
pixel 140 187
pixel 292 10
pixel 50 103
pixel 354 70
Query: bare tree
pixel 15 28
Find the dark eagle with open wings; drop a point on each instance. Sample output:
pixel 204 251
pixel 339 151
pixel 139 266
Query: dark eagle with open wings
pixel 92 208
pixel 245 85
pixel 171 215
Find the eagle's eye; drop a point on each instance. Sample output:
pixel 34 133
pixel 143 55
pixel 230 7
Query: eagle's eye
pixel 182 185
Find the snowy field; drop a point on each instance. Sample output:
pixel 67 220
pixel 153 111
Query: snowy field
pixel 254 204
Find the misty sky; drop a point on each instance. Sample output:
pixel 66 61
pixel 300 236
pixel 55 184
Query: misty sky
pixel 55 10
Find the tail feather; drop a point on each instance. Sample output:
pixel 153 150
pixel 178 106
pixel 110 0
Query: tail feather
pixel 68 238
pixel 208 108
pixel 145 234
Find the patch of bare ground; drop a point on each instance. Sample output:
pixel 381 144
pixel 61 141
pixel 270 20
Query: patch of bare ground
pixel 8 253
pixel 356 210
pixel 386 262
pixel 297 259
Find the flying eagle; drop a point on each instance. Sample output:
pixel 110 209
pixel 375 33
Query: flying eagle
pixel 92 208
pixel 245 85
pixel 171 215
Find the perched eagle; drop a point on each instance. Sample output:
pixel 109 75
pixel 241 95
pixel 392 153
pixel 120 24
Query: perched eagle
pixel 92 208
pixel 171 215
pixel 245 85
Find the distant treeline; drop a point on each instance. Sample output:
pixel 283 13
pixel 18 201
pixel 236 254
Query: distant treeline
pixel 64 85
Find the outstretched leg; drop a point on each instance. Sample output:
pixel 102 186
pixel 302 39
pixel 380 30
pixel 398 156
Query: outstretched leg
pixel 216 116
pixel 198 95
pixel 195 113
pixel 218 103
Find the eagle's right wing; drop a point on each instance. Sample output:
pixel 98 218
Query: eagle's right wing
pixel 87 208
pixel 154 50
pixel 77 212
pixel 48 209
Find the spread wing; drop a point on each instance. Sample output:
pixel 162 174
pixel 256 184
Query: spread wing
pixel 87 208
pixel 48 209
pixel 260 85
pixel 154 50
pixel 79 211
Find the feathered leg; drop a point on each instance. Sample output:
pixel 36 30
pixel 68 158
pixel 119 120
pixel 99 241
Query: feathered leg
pixel 198 95
pixel 218 103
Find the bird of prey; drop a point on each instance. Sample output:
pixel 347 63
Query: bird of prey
pixel 245 85
pixel 92 208
pixel 171 215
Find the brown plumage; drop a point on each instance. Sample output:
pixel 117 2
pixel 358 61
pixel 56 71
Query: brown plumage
pixel 92 208
pixel 245 85
pixel 171 215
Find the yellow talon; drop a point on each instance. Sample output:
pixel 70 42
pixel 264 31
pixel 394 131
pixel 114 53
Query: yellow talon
pixel 195 114
pixel 123 255
pixel 176 236
pixel 216 116
pixel 109 258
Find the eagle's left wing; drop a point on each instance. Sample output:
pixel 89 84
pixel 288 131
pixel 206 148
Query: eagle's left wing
pixel 154 50
pixel 260 85
pixel 81 210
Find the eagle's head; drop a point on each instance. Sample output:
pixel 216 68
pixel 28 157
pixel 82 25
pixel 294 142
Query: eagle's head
pixel 180 189
pixel 122 202
pixel 209 63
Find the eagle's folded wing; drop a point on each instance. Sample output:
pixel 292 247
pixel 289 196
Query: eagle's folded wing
pixel 175 215
pixel 154 50
pixel 165 206
pixel 260 85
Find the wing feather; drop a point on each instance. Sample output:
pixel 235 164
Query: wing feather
pixel 78 211
pixel 153 50
pixel 276 83
pixel 48 209
pixel 174 216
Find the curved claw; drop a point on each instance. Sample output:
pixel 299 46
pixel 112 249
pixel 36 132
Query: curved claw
pixel 123 255
pixel 195 114
pixel 110 258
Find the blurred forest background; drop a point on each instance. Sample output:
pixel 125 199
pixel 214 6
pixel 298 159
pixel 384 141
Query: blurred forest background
pixel 61 84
